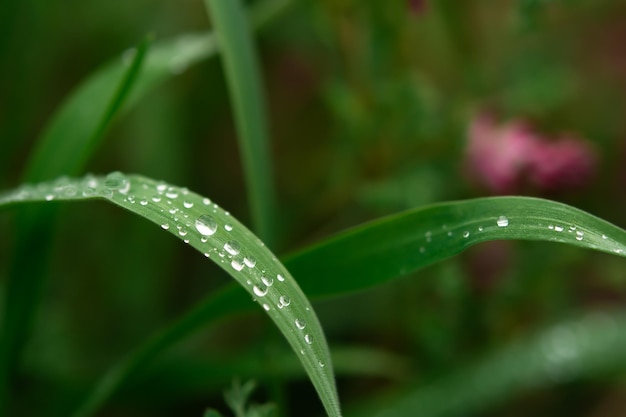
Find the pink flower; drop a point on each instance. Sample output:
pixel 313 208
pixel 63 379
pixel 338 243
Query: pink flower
pixel 566 163
pixel 417 7
pixel 504 158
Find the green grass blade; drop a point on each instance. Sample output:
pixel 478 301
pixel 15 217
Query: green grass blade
pixel 397 245
pixel 568 351
pixel 74 134
pixel 242 72
pixel 54 157
pixel 215 233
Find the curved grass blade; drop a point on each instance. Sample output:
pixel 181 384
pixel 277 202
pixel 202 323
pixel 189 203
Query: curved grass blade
pixel 212 231
pixel 34 225
pixel 244 83
pixel 568 351
pixel 398 245
pixel 383 250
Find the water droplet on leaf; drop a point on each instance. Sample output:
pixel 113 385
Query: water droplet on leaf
pixel 283 301
pixel 250 261
pixel 232 247
pixel 237 266
pixel 206 225
pixel 260 290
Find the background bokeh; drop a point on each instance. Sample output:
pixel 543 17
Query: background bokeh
pixel 370 105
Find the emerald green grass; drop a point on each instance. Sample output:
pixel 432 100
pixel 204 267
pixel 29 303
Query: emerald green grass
pixel 206 227
pixel 241 68
pixel 364 257
pixel 357 259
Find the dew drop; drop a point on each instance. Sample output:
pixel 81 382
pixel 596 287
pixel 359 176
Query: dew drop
pixel 143 202
pixel 89 190
pixel 206 225
pixel 117 181
pixel 604 237
pixel 480 228
pixel 558 228
pixel 429 236
pixel 203 239
pixel 182 232
pixel 422 249
pixel 228 227
pixel 449 233
pixel 171 193
pixel 207 254
pixel 173 210
pixel 260 290
pixel 266 307
pixel 466 234
pixel 579 235
pixel 280 278
pixel 300 324
pixel 267 281
pixel 551 227
pixel 206 201
pixel 502 221
pixel 165 226
pixel 232 247
pixel 308 339
pixel 237 266
pixel 321 364
pixel 156 198
pixel 250 261
pixel 283 301
pixel 188 204
pixel 49 197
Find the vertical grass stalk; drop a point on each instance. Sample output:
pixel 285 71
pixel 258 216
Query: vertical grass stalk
pixel 242 71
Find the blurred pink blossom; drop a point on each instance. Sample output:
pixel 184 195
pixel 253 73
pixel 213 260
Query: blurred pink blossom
pixel 504 158
pixel 417 6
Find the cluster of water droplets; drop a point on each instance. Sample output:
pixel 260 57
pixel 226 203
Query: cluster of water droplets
pixel 195 219
pixel 199 222
pixel 65 188
pixel 465 233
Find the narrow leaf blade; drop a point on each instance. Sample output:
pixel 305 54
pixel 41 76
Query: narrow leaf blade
pixel 220 237
pixel 397 245
pixel 244 81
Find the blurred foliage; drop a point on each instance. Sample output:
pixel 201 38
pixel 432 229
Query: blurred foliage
pixel 369 103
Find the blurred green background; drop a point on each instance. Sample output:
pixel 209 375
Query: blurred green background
pixel 370 104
